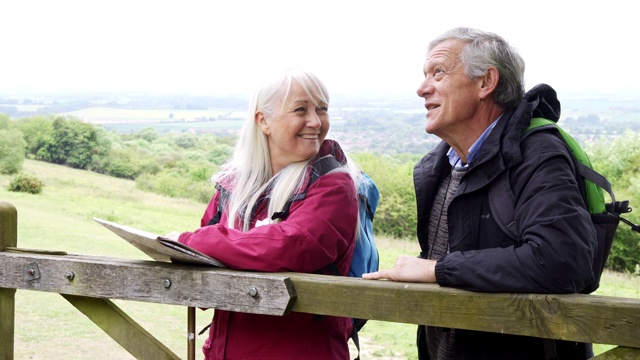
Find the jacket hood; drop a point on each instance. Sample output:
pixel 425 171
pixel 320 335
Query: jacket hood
pixel 540 101
pixel 543 101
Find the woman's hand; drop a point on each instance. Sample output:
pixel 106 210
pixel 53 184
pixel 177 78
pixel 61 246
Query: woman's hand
pixel 172 235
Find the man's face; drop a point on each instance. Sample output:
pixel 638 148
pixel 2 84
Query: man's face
pixel 451 99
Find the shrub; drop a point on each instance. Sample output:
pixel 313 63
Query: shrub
pixel 396 214
pixel 26 183
pixel 176 186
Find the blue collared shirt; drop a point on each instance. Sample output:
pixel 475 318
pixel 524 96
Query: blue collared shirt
pixel 474 150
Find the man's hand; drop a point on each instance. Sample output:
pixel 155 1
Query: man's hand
pixel 407 268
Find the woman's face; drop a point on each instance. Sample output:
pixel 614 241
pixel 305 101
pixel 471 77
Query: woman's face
pixel 296 130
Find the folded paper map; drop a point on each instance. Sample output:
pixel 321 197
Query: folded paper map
pixel 159 248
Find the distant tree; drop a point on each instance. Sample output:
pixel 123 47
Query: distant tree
pixel 5 122
pixel 103 145
pixel 12 147
pixel 187 141
pixel 73 143
pixel 219 154
pixel 195 156
pixel 150 134
pixel 122 163
pixel 37 130
pixel 163 149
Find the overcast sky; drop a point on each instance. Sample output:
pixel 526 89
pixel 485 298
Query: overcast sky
pixel 356 46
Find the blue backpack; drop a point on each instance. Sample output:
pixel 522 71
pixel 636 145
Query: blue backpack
pixel 365 254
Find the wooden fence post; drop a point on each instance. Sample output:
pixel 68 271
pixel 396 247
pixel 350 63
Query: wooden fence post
pixel 8 237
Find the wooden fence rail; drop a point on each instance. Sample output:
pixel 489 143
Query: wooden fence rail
pixel 89 282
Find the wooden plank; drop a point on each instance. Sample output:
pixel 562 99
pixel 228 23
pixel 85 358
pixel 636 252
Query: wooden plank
pixel 619 353
pixel 121 328
pixel 148 281
pixel 8 238
pixel 585 318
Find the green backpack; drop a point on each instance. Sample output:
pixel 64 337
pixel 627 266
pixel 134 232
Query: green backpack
pixel 604 216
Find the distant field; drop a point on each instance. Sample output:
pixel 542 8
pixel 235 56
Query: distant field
pixel 220 121
pixel 22 107
pixel 219 126
pixel 107 115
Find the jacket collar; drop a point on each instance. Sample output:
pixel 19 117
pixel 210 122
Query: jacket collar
pixel 540 101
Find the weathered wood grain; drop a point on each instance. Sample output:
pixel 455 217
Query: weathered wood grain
pixel 149 281
pixel 585 318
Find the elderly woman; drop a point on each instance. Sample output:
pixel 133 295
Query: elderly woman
pixel 282 138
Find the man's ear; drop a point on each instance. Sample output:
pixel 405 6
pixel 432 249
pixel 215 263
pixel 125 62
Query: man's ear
pixel 489 82
pixel 262 122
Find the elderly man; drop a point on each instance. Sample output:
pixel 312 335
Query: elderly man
pixel 474 95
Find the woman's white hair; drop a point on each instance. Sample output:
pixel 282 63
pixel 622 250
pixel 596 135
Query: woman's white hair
pixel 249 171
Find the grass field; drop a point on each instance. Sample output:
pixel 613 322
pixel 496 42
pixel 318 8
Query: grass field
pixel 60 218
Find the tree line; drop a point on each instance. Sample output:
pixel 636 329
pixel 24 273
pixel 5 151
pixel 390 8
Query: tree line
pixel 181 165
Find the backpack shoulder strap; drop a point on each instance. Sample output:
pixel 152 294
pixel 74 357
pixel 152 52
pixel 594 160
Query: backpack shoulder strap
pixel 595 182
pixel 320 167
pixel 502 199
pixel 323 166
pixel 222 202
pixel 369 194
